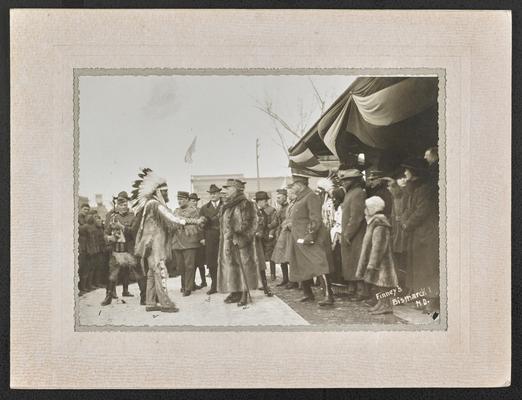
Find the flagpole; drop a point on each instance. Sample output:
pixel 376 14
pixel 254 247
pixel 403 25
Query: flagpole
pixel 257 164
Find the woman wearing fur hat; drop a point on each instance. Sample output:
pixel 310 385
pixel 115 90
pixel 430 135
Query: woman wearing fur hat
pixel 375 265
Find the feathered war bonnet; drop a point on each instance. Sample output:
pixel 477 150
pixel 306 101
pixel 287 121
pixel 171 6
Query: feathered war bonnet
pixel 146 187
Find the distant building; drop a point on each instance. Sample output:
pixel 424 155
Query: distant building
pixel 201 183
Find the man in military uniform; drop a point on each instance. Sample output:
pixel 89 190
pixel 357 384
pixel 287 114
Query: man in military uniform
pixel 261 236
pixel 185 243
pixel 120 231
pixel 210 212
pixel 272 223
pixel 282 202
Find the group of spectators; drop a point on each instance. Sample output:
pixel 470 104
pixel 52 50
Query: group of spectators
pixel 368 232
pixel 384 231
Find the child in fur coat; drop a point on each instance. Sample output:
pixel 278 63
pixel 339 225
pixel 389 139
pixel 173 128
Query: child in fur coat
pixel 376 265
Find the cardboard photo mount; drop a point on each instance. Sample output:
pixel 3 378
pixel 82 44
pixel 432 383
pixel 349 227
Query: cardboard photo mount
pixel 48 45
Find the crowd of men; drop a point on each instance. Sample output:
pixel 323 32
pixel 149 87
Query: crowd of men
pixel 366 231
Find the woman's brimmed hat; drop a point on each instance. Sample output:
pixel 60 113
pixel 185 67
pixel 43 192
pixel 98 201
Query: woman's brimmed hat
pixel 416 165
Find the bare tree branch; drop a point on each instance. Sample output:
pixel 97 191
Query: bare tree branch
pixel 282 139
pixel 267 109
pixel 321 101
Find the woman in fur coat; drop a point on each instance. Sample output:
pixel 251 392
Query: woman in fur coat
pixel 376 261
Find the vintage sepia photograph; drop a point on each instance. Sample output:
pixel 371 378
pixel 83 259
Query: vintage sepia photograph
pixel 292 205
pixel 257 199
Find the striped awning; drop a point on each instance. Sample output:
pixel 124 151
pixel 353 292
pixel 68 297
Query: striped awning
pixel 375 114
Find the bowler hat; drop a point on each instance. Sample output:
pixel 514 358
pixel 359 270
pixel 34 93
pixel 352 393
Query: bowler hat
pixel 194 196
pixel 183 195
pixel 213 189
pixel 349 173
pixel 261 195
pixel 240 185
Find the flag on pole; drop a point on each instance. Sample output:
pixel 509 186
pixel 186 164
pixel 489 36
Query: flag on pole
pixel 190 151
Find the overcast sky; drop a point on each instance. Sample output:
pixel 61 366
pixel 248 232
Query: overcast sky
pixel 128 122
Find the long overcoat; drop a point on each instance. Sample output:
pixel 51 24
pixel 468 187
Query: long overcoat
pixel 211 232
pixel 353 228
pixel 272 224
pixel 260 236
pixel 421 222
pixel 308 260
pixel 237 264
pixel 281 253
pixel 376 261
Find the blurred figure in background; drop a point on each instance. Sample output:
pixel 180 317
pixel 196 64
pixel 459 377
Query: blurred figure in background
pixel 83 238
pixel 377 185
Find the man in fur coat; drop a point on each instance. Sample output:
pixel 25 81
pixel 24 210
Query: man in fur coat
pixel 308 258
pixel 237 264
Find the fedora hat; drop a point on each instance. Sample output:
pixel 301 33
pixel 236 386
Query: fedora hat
pixel 194 196
pixel 214 189
pixel 261 196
